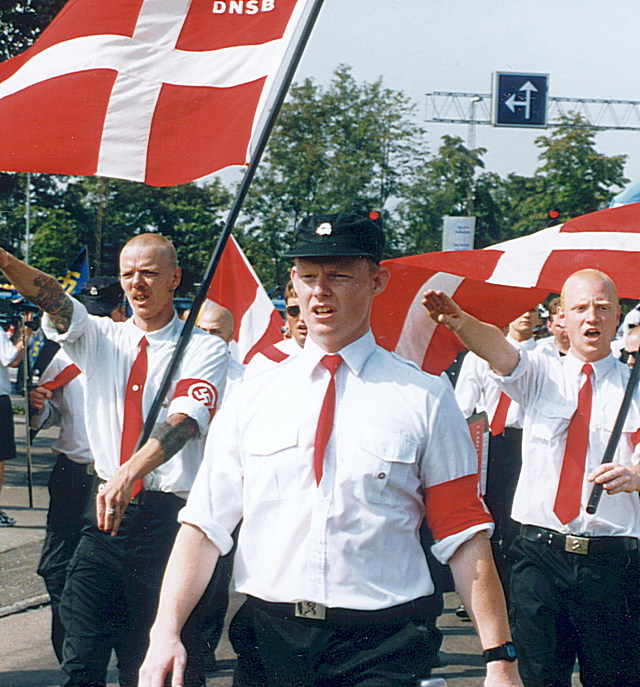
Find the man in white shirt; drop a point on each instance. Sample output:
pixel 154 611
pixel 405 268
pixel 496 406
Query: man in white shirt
pixel 477 391
pixel 59 400
pixel 575 575
pixel 10 356
pixel 110 595
pixel 331 458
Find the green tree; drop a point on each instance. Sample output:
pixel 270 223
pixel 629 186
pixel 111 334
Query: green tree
pixel 577 178
pixel 57 239
pixel 21 21
pixel 442 185
pixel 349 146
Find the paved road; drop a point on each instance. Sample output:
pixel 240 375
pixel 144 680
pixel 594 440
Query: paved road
pixel 26 657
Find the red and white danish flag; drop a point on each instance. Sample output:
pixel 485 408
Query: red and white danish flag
pixel 236 286
pixel 160 91
pixel 498 283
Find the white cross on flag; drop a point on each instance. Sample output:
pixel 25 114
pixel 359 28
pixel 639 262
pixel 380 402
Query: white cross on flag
pixel 236 286
pixel 160 91
pixel 499 283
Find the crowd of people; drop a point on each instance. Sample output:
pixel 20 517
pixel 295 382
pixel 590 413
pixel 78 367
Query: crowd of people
pixel 331 478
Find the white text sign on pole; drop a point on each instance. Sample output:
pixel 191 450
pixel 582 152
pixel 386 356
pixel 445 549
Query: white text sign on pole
pixel 458 233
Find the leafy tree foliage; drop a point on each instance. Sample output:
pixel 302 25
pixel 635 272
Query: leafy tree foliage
pixel 345 146
pixel 21 21
pixel 349 146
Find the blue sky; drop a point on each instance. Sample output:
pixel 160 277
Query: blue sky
pixel 588 47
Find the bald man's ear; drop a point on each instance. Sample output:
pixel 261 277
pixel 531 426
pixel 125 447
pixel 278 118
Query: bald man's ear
pixel 176 279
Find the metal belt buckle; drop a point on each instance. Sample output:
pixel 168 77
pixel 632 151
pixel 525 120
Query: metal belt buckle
pixel 310 609
pixel 573 544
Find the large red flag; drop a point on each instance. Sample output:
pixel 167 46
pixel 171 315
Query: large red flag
pixel 160 91
pixel 236 286
pixel 499 283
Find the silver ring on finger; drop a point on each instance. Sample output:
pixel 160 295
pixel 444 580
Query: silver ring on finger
pixel 111 511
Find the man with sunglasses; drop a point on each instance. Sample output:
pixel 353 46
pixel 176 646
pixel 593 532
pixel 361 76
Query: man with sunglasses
pixel 631 346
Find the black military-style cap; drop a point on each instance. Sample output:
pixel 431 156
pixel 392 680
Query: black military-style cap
pixel 338 235
pixel 101 295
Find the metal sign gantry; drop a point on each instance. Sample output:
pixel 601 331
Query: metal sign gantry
pixel 476 108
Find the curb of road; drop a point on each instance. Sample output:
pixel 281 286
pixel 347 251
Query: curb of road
pixel 25 605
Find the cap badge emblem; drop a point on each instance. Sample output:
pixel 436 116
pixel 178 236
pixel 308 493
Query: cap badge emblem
pixel 324 229
pixel 93 291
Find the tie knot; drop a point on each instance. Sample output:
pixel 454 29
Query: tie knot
pixel 143 343
pixel 587 369
pixel 331 362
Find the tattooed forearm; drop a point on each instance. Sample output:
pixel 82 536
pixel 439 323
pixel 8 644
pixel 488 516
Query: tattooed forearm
pixel 172 437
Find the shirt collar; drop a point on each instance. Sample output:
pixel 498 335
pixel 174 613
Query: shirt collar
pixel 355 355
pixel 166 333
pixel 600 367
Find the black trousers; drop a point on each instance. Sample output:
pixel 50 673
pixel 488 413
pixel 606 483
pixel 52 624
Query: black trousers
pixel 503 471
pixel 69 494
pixel 7 432
pixel 111 594
pixel 298 652
pixel 566 606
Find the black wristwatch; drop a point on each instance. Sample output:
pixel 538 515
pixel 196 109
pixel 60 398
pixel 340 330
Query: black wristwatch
pixel 504 652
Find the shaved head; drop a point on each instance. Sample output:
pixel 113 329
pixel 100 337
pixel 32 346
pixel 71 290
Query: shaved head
pixel 215 319
pixel 588 276
pixel 589 311
pixel 162 244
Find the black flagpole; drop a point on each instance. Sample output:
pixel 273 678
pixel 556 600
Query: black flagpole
pixel 201 295
pixel 596 491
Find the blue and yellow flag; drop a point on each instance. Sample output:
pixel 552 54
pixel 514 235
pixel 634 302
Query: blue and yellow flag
pixel 77 274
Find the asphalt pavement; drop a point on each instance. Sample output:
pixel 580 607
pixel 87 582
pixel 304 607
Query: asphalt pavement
pixel 26 656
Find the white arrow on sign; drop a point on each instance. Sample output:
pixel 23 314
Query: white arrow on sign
pixel 511 102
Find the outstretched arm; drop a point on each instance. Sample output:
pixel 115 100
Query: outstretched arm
pixel 484 339
pixel 188 572
pixel 40 288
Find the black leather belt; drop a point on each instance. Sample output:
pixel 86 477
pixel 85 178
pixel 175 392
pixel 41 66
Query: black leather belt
pixel 571 543
pixel 313 611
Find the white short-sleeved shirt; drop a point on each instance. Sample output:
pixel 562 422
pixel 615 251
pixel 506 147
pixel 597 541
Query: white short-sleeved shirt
pixel 65 409
pixel 547 389
pixel 105 350
pixel 8 353
pixel 399 441
pixel 477 391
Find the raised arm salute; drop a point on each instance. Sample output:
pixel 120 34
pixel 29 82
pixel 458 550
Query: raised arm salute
pixel 574 581
pixel 114 577
pixel 40 288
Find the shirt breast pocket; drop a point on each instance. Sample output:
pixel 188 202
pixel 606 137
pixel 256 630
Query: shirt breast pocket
pixel 388 464
pixel 551 421
pixel 270 462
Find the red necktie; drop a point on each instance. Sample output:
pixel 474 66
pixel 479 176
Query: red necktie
pixel 132 423
pixel 567 504
pixel 325 421
pixel 500 415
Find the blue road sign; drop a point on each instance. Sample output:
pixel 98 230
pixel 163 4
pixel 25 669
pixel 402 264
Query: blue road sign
pixel 520 99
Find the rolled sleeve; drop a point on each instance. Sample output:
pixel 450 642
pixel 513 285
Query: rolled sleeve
pixel 196 410
pixel 77 328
